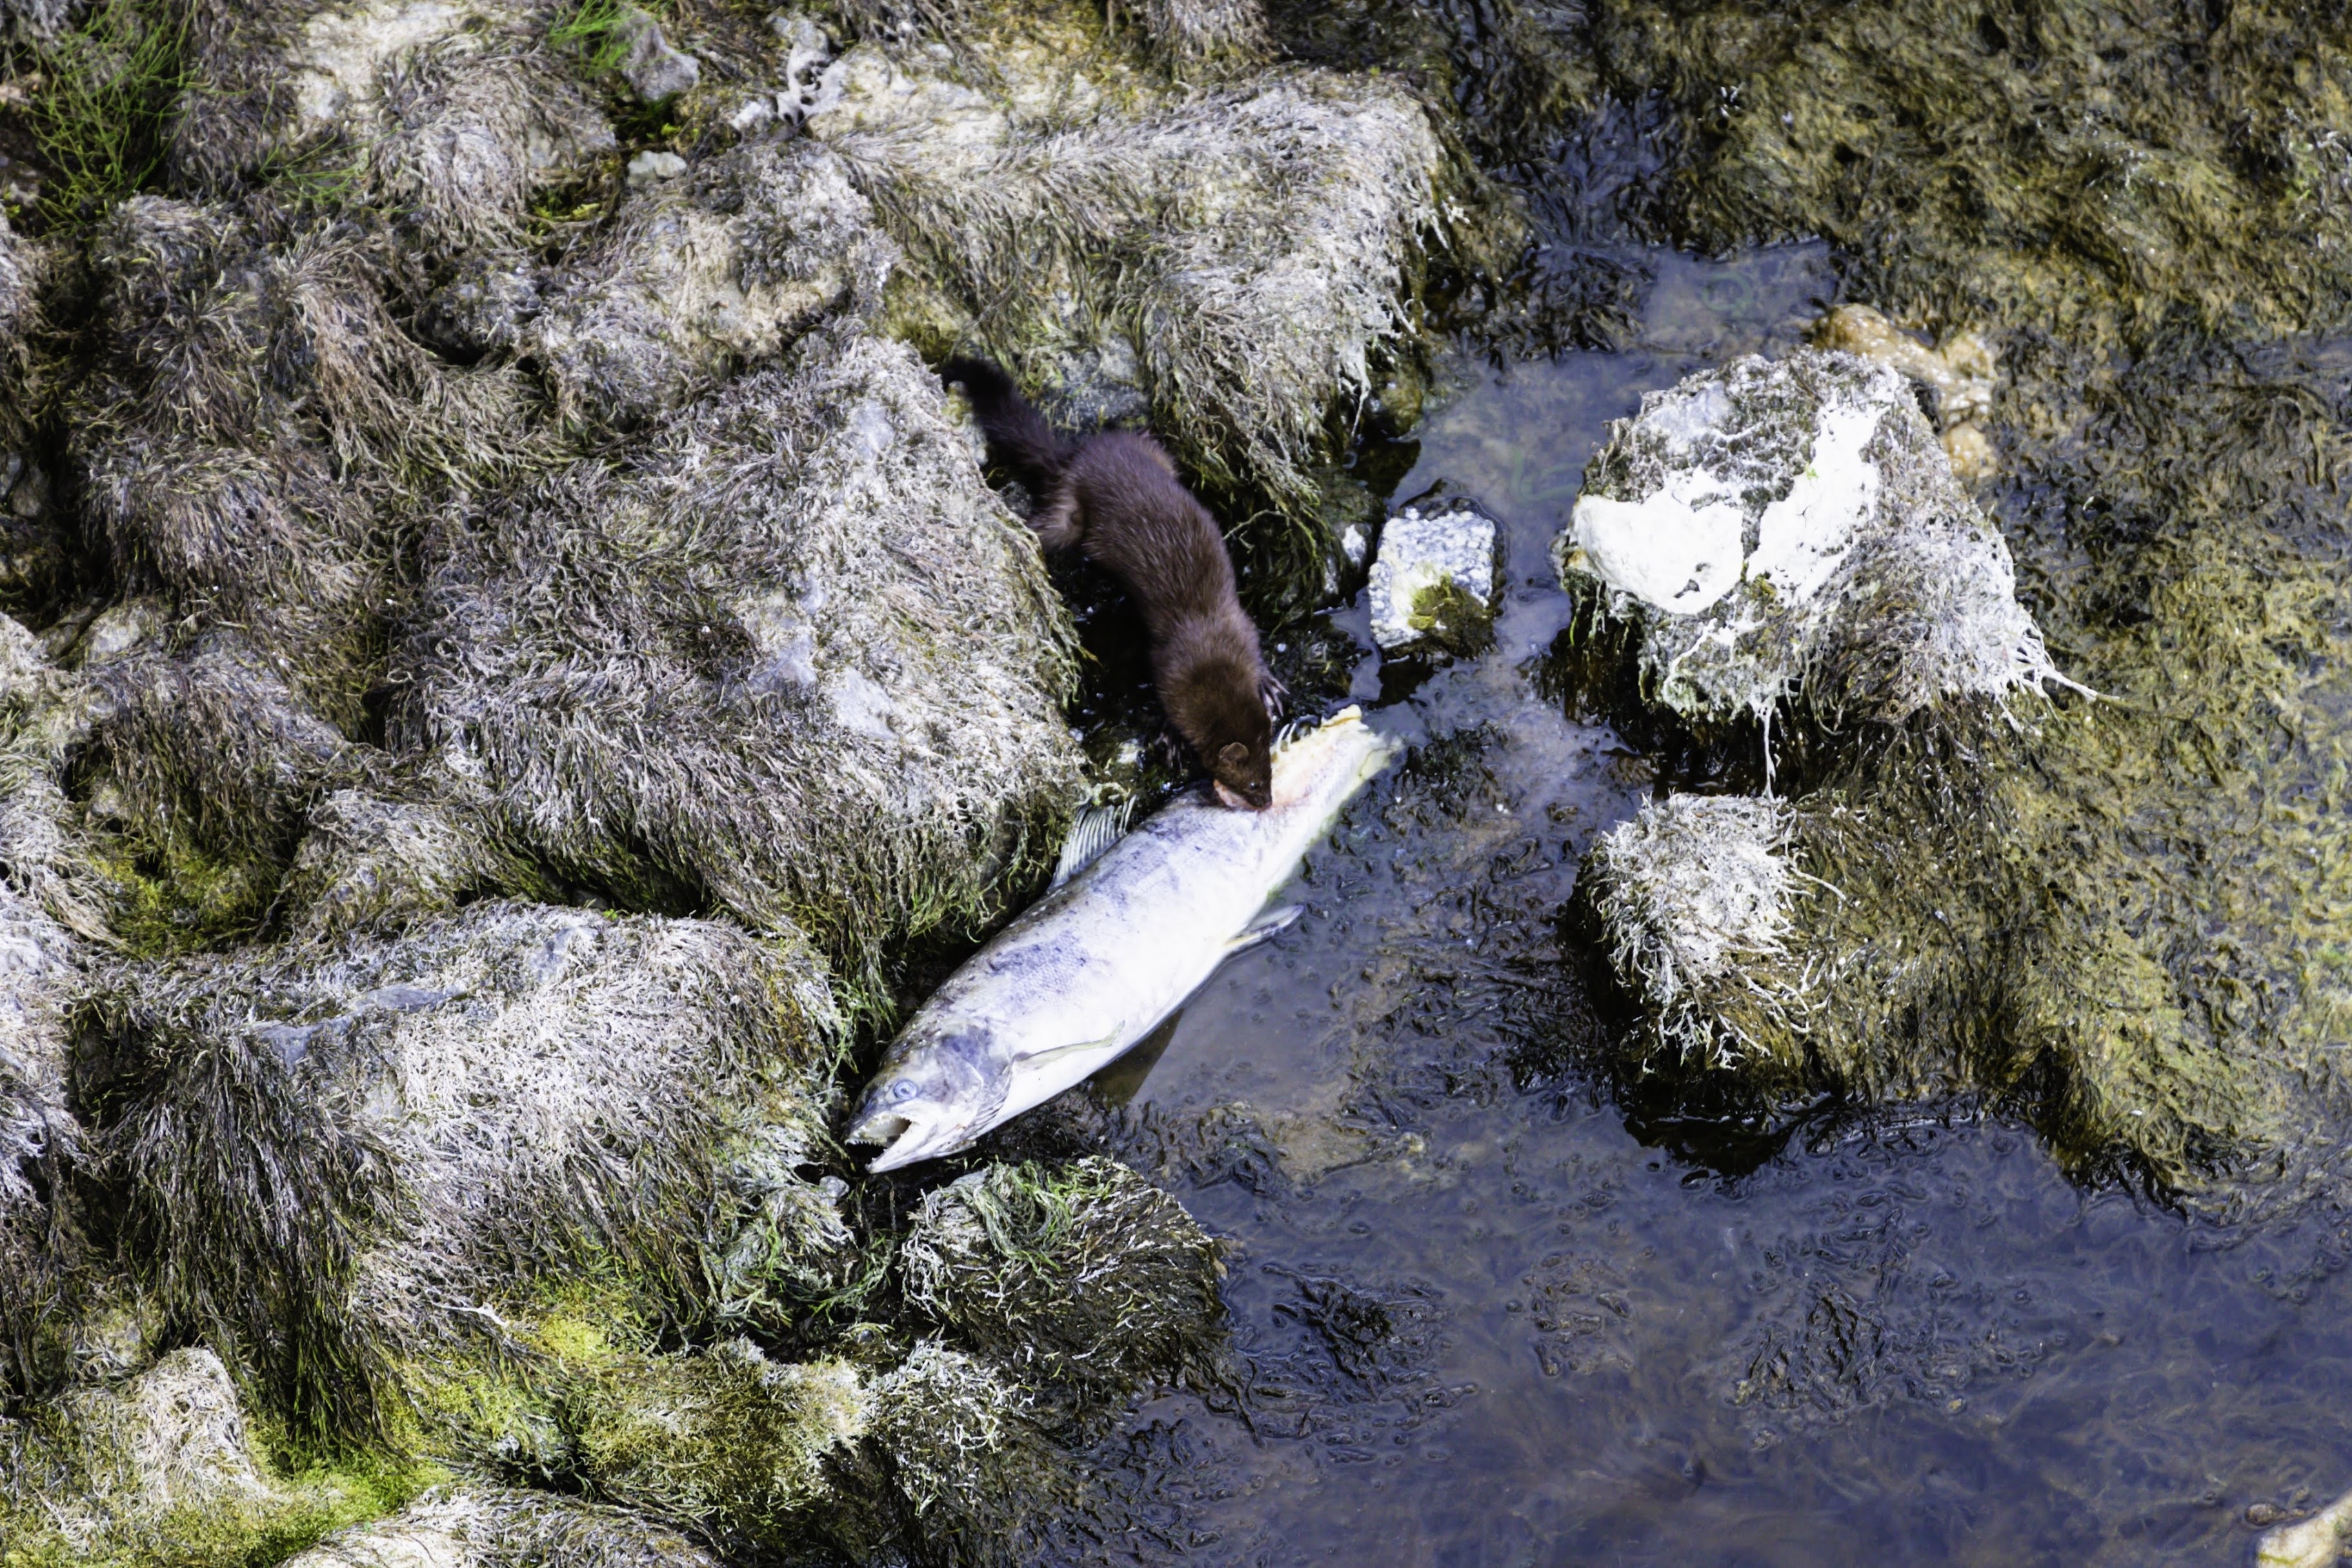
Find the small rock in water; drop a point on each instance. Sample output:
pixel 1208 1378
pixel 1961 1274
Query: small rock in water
pixel 657 69
pixel 2314 1542
pixel 1435 582
pixel 648 167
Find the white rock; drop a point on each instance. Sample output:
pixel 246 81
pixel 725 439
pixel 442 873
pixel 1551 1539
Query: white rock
pixel 2314 1542
pixel 656 70
pixel 648 167
pixel 1420 552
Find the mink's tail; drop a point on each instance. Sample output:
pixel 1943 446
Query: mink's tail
pixel 1019 440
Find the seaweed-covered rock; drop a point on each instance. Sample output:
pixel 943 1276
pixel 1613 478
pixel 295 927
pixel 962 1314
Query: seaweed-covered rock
pixel 176 1435
pixel 461 133
pixel 698 279
pixel 1771 532
pixel 452 113
pixel 36 547
pixel 258 427
pixel 928 1449
pixel 1084 1272
pixel 1692 898
pixel 159 1466
pixel 1193 34
pixel 211 743
pixel 332 1155
pixel 481 310
pixel 1268 233
pixel 365 862
pixel 734 1444
pixel 1924 923
pixel 791 652
pixel 56 898
pixel 490 1527
pixel 967 1473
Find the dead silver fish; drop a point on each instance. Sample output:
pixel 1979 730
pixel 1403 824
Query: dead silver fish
pixel 1096 965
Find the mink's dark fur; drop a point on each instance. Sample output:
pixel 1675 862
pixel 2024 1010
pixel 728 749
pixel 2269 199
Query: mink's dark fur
pixel 1116 497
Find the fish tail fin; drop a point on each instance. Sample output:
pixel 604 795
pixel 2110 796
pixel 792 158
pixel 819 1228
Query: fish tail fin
pixel 1019 440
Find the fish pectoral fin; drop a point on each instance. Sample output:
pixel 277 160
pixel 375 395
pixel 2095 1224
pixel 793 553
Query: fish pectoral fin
pixel 1097 829
pixel 1279 918
pixel 1051 1052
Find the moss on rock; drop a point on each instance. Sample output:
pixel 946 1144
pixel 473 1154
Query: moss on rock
pixel 1242 257
pixel 317 1144
pixel 790 652
pixel 1077 1273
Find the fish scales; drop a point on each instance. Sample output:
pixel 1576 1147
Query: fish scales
pixel 1088 970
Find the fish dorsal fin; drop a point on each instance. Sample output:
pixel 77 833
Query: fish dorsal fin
pixel 1097 829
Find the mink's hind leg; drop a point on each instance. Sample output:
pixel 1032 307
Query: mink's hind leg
pixel 1057 522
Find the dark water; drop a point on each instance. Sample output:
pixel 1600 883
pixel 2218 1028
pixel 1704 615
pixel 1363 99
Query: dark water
pixel 1490 1316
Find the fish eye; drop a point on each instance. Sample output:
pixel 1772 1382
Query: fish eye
pixel 902 1090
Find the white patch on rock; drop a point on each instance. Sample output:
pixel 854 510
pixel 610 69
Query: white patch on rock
pixel 1679 549
pixel 338 61
pixel 861 707
pixel 1421 552
pixel 1802 538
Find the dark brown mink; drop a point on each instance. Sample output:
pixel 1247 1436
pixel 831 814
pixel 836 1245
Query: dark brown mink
pixel 1116 497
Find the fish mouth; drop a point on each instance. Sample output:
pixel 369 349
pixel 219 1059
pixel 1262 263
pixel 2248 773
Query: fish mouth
pixel 904 1142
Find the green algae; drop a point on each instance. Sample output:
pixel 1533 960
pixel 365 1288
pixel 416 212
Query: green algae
pixel 149 1472
pixel 99 117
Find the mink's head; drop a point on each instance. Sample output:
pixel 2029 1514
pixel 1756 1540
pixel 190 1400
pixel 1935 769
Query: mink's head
pixel 1217 708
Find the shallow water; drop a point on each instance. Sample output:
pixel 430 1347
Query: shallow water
pixel 1488 1314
